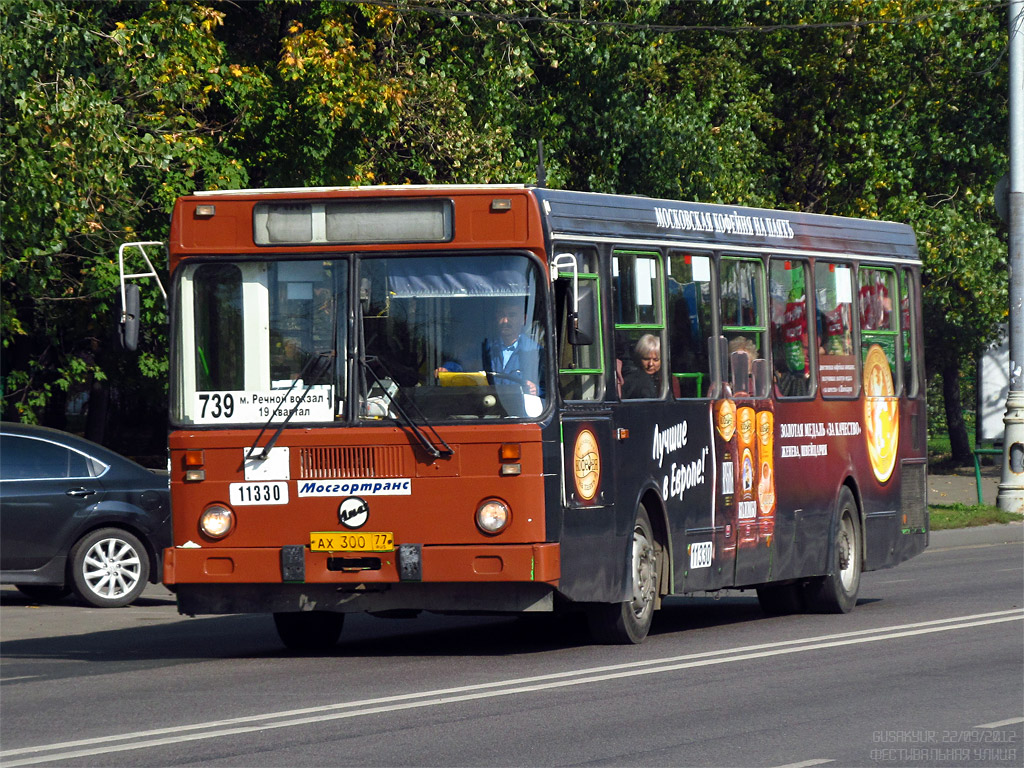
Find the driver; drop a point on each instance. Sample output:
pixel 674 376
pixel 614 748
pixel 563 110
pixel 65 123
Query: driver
pixel 513 353
pixel 509 352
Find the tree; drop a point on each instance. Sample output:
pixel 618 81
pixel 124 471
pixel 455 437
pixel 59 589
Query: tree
pixel 103 129
pixel 905 121
pixel 872 108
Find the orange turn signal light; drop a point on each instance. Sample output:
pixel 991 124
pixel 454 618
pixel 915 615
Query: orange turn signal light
pixel 510 452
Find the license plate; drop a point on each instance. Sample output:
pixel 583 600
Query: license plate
pixel 258 493
pixel 362 541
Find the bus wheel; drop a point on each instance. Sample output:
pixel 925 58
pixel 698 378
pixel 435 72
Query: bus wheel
pixel 629 622
pixel 837 592
pixel 309 630
pixel 780 599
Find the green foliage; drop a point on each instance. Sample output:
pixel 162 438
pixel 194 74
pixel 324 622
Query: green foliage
pixel 943 517
pixel 873 108
pixel 104 128
pixel 965 278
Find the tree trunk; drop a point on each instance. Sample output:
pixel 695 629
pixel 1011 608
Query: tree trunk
pixel 96 415
pixel 955 424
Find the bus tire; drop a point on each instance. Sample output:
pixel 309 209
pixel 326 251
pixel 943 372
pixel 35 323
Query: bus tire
pixel 837 592
pixel 309 630
pixel 628 623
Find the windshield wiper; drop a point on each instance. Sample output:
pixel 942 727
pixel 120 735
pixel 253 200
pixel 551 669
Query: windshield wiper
pixel 428 445
pixel 316 366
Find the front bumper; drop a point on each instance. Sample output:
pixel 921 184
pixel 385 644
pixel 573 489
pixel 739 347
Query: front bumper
pixel 472 578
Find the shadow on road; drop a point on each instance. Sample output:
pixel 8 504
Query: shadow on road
pixel 150 633
pixel 10 597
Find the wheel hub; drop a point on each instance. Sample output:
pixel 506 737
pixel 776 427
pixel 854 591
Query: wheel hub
pixel 110 574
pixel 844 552
pixel 644 574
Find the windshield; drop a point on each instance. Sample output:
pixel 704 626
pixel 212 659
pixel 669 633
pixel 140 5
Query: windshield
pixel 431 339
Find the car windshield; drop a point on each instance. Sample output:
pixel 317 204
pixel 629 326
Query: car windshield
pixel 434 338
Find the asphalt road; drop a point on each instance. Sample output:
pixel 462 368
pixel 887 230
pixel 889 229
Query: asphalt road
pixel 928 670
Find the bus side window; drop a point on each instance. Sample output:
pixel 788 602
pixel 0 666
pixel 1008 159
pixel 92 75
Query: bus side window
pixel 580 366
pixel 878 321
pixel 833 301
pixel 908 313
pixel 791 341
pixel 688 300
pixel 744 323
pixel 638 294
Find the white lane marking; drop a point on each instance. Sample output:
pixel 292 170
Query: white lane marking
pixel 327 712
pixel 805 764
pixel 1001 723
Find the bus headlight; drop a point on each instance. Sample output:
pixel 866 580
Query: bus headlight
pixel 493 516
pixel 217 521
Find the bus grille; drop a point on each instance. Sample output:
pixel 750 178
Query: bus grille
pixel 351 462
pixel 914 492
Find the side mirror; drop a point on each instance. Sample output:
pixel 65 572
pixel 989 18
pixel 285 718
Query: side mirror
pixel 128 329
pixel 583 322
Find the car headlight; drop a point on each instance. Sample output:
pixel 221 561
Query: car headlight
pixel 217 521
pixel 493 516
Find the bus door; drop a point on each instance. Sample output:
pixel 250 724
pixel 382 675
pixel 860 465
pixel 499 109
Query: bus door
pixel 687 455
pixel 893 413
pixel 743 448
pixel 591 557
pixel 591 560
pixel 749 439
pixel 914 518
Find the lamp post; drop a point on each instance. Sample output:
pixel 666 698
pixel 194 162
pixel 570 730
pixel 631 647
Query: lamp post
pixel 1011 486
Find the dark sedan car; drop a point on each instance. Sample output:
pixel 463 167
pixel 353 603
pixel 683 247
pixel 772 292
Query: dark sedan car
pixel 77 516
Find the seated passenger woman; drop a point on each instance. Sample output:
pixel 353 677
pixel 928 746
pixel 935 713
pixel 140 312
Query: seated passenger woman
pixel 644 381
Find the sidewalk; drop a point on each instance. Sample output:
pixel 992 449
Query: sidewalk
pixel 961 487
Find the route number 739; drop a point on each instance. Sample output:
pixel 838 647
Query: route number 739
pixel 220 406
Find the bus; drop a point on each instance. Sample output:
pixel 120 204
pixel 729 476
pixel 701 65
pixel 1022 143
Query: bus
pixel 511 399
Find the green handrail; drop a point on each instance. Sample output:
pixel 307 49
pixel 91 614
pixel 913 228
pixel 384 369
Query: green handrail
pixel 977 465
pixel 698 376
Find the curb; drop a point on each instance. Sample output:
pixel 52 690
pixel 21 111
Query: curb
pixel 999 533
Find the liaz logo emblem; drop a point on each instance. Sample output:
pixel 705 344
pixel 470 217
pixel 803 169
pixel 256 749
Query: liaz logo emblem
pixel 587 465
pixel 353 512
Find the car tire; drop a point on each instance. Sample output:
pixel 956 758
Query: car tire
pixel 109 568
pixel 44 593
